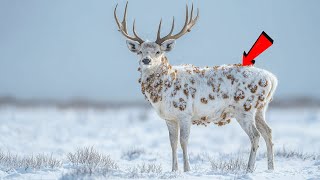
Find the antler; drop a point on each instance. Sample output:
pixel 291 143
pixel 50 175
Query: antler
pixel 186 28
pixel 123 26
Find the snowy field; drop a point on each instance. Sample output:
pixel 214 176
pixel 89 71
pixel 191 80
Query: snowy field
pixel 123 143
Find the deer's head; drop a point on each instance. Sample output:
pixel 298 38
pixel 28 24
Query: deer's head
pixel 151 53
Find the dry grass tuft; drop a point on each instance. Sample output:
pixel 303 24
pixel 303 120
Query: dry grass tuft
pixel 234 164
pixel 132 153
pixel 9 162
pixel 88 161
pixel 145 170
pixel 292 153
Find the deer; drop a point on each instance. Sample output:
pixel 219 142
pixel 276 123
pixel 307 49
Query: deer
pixel 187 95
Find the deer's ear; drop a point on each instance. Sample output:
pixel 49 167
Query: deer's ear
pixel 133 46
pixel 168 45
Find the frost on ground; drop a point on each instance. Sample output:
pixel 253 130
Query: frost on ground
pixel 131 143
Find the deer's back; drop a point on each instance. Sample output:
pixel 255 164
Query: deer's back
pixel 215 94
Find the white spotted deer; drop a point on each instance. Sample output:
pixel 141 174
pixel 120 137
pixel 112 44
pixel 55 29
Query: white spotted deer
pixel 185 95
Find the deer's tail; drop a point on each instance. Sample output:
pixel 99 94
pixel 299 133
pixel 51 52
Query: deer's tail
pixel 274 83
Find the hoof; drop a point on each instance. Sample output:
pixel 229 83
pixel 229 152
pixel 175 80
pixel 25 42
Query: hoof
pixel 249 170
pixel 271 168
pixel 186 169
pixel 174 169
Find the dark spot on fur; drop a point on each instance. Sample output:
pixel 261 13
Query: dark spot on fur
pixel 204 100
pixel 211 97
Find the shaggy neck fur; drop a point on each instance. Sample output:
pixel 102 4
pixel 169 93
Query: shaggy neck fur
pixel 152 80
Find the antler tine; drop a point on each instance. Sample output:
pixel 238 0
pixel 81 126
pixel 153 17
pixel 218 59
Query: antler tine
pixel 189 23
pixel 135 33
pixel 116 18
pixel 159 30
pixel 159 39
pixel 124 21
pixel 185 27
pixel 123 26
pixel 191 13
pixel 194 21
pixel 172 27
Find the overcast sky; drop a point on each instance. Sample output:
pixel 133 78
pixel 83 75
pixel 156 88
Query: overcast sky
pixel 71 48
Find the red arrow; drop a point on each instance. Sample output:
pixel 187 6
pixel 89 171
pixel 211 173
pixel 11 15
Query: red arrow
pixel 262 43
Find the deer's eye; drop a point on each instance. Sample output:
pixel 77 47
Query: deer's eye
pixel 158 52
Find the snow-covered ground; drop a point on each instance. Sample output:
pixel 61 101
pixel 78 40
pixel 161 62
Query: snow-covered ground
pixel 136 139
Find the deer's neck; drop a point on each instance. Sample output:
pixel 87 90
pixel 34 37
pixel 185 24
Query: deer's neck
pixel 152 80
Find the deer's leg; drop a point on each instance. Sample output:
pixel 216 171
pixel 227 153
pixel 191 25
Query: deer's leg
pixel 247 123
pixel 184 138
pixel 265 131
pixel 173 128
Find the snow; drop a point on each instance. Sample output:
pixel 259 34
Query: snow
pixel 135 136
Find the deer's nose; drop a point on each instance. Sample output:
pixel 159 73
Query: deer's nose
pixel 146 61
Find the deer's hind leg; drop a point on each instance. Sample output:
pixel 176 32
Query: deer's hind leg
pixel 247 123
pixel 266 133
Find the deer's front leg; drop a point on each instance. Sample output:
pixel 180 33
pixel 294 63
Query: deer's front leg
pixel 173 128
pixel 184 138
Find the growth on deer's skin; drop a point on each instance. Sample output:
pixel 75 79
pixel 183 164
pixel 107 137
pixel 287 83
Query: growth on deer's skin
pixel 185 95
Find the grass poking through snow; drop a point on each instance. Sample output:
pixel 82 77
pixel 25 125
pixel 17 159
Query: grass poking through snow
pixel 9 162
pixel 299 154
pixel 144 170
pixel 233 164
pixel 88 161
pixel 132 153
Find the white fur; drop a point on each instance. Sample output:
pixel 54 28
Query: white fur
pixel 185 95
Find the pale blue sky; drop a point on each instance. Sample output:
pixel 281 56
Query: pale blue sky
pixel 71 48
